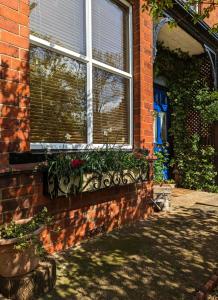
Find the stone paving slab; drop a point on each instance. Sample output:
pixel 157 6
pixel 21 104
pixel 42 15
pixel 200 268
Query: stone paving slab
pixel 188 198
pixel 165 257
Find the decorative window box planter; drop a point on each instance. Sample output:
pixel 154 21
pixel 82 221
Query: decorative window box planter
pixel 90 182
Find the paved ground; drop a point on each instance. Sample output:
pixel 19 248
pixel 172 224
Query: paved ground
pixel 183 198
pixel 163 258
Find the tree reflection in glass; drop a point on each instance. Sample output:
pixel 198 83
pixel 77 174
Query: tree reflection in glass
pixel 110 107
pixel 58 97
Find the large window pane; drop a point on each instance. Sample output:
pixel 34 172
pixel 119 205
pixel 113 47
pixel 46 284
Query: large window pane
pixel 60 21
pixel 58 98
pixel 110 108
pixel 110 33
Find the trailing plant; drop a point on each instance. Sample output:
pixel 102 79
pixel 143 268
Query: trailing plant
pixel 157 8
pixel 207 105
pixel 193 156
pixel 102 160
pixel 24 231
pixel 160 165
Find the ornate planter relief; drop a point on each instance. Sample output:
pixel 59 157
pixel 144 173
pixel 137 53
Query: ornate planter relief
pixel 90 182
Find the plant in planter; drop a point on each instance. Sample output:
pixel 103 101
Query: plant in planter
pixel 90 170
pixel 20 248
pixel 162 187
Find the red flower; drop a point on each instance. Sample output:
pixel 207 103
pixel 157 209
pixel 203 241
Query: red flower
pixel 76 163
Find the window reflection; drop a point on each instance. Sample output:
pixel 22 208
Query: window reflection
pixel 163 118
pixel 160 128
pixel 155 128
pixel 58 97
pixel 110 100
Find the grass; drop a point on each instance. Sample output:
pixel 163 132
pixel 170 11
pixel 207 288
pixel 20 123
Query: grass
pixel 161 259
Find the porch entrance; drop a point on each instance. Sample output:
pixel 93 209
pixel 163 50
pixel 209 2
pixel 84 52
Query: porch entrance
pixel 161 122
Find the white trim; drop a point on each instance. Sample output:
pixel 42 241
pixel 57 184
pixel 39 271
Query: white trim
pixel 90 63
pixel 131 133
pixel 126 3
pixel 197 7
pixel 111 69
pixel 64 146
pixel 89 72
pixel 56 146
pixel 49 45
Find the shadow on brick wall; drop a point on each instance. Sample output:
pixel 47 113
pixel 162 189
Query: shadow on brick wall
pixel 15 103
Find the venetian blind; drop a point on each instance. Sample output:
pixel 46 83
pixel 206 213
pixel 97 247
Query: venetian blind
pixel 110 108
pixel 60 21
pixel 110 33
pixel 58 97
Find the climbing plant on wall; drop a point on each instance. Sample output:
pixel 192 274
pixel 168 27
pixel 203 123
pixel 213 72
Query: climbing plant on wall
pixel 193 156
pixel 156 9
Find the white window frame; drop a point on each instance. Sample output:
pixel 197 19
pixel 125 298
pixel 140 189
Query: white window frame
pixel 90 63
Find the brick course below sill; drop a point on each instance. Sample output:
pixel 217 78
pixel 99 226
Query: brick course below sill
pixel 77 217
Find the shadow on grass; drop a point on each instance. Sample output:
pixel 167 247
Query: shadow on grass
pixel 163 259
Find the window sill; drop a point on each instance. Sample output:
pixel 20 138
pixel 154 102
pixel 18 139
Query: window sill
pixel 22 168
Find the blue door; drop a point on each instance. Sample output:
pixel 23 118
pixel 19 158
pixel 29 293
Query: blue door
pixel 161 121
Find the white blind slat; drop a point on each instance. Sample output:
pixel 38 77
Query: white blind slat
pixel 60 21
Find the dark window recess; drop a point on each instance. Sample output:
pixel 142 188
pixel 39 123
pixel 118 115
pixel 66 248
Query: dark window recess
pixel 25 158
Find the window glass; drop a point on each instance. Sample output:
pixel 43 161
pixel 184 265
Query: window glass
pixel 110 33
pixel 60 21
pixel 163 122
pixel 110 107
pixel 58 77
pixel 58 97
pixel 155 128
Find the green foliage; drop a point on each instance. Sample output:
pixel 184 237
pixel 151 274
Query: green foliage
pixel 196 165
pixel 207 105
pixel 160 165
pixel 101 160
pixel 193 158
pixel 23 231
pixel 156 9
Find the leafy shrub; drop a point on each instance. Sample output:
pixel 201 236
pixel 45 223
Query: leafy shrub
pixel 160 165
pixel 23 231
pixel 193 157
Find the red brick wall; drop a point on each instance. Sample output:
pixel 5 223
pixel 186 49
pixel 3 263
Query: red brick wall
pixel 14 91
pixel 213 18
pixel 143 77
pixel 14 94
pixel 21 194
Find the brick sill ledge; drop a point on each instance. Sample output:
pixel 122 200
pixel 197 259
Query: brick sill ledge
pixel 22 168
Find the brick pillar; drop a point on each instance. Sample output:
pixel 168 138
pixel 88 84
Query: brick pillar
pixel 14 85
pixel 143 77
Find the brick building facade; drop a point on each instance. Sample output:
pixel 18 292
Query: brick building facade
pixel 21 184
